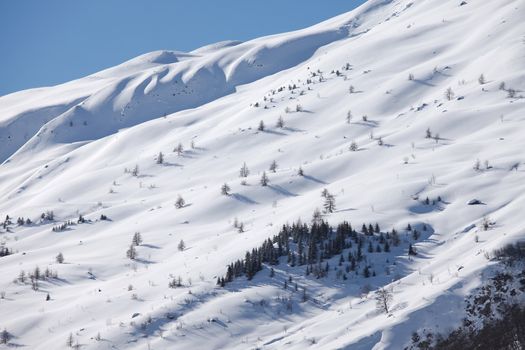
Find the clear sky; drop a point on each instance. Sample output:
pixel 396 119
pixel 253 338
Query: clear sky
pixel 49 42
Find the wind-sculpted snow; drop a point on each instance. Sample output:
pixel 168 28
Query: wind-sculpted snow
pixel 164 82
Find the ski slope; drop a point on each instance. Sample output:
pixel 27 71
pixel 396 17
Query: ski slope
pixel 65 149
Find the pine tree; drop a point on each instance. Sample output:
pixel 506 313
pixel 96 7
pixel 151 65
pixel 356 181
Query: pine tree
pixel 481 79
pixel 70 340
pixel 264 179
pixel 179 149
pixel 300 172
pixel 60 258
pixel 316 217
pixel 225 190
pixel 411 250
pixel 329 204
pixel 280 123
pixel 135 171
pixel 273 166
pixel 449 94
pixel 244 172
pixel 353 146
pixel 366 272
pixel 137 239
pixel 160 158
pixel 4 337
pixel 48 297
pixel 261 126
pixel 181 246
pixel 131 253
pixel 348 117
pixel 180 202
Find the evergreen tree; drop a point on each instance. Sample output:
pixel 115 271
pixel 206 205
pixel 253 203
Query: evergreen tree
pixel 264 179
pixel 131 253
pixel 366 272
pixel 386 247
pixel 261 126
pixel 273 166
pixel 137 239
pixel 180 202
pixel 60 258
pixel 481 79
pixel 225 189
pixel 4 337
pixel 280 123
pixel 300 172
pixel 160 158
pixel 135 171
pixel 70 340
pixel 316 217
pixel 179 149
pixel 329 204
pixel 181 246
pixel 244 172
pixel 449 94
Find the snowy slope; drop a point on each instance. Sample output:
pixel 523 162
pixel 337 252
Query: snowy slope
pixel 64 149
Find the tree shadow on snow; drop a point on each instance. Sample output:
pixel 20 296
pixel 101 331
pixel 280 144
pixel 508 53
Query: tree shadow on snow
pixel 288 128
pixel 172 164
pixel 422 82
pixel 274 132
pixel 281 190
pixel 243 199
pixel 150 246
pixel 311 178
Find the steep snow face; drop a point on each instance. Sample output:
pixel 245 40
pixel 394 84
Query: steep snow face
pixel 377 76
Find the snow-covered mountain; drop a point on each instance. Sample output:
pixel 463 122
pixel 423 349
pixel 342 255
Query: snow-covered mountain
pixel 406 112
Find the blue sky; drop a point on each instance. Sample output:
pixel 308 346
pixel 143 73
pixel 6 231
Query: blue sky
pixel 49 42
